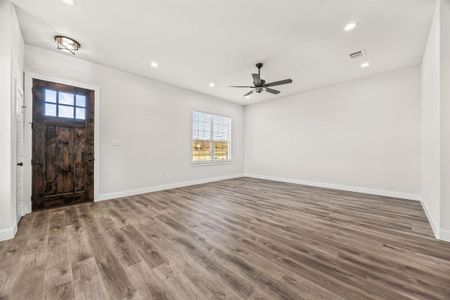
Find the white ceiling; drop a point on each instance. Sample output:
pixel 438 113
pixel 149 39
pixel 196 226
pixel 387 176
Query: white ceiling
pixel 200 41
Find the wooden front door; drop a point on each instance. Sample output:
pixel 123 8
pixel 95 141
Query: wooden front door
pixel 63 145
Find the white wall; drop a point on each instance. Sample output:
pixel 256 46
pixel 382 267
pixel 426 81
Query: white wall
pixel 151 118
pixel 436 122
pixel 445 119
pixel 430 173
pixel 362 135
pixel 11 69
pixel 6 220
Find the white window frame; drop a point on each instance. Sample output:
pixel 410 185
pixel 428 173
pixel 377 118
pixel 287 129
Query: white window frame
pixel 212 161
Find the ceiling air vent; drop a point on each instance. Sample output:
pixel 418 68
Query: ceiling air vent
pixel 357 54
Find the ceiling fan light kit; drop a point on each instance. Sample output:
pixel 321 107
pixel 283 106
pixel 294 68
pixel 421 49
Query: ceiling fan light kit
pixel 260 85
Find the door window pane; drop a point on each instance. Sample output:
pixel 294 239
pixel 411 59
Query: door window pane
pixel 65 111
pixel 66 98
pixel 80 113
pixel 65 104
pixel 81 101
pixel 50 110
pixel 50 96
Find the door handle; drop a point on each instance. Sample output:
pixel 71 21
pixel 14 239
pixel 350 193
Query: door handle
pixel 20 164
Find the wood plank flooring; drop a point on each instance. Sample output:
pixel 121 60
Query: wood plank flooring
pixel 235 239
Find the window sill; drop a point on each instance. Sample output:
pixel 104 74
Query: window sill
pixel 211 163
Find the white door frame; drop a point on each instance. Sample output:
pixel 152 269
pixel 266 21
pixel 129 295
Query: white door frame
pixel 28 133
pixel 19 197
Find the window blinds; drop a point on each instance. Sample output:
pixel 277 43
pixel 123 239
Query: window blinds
pixel 207 127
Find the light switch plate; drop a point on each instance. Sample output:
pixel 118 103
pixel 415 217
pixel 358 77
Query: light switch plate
pixel 118 143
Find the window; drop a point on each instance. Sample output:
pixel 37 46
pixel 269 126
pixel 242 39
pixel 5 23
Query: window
pixel 211 137
pixel 65 105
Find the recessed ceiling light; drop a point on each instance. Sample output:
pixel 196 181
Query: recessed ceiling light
pixel 365 64
pixel 350 26
pixel 212 84
pixel 68 2
pixel 247 97
pixel 154 64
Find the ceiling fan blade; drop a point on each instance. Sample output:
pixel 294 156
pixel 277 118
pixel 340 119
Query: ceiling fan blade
pixel 286 81
pixel 272 91
pixel 256 79
pixel 241 86
pixel 248 94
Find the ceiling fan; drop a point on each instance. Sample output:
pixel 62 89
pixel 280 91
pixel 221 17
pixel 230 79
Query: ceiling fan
pixel 260 85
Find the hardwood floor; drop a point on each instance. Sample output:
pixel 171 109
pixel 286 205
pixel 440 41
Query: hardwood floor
pixel 235 239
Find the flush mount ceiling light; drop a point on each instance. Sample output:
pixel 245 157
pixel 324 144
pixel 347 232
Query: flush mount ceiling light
pixel 212 84
pixel 154 64
pixel 365 64
pixel 68 2
pixel 350 26
pixel 67 44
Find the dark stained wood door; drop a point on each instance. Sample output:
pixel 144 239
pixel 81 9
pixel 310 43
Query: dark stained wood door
pixel 63 145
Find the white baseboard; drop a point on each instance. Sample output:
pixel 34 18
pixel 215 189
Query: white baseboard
pixel 394 194
pixel 114 195
pixel 8 233
pixel 434 226
pixel 444 234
